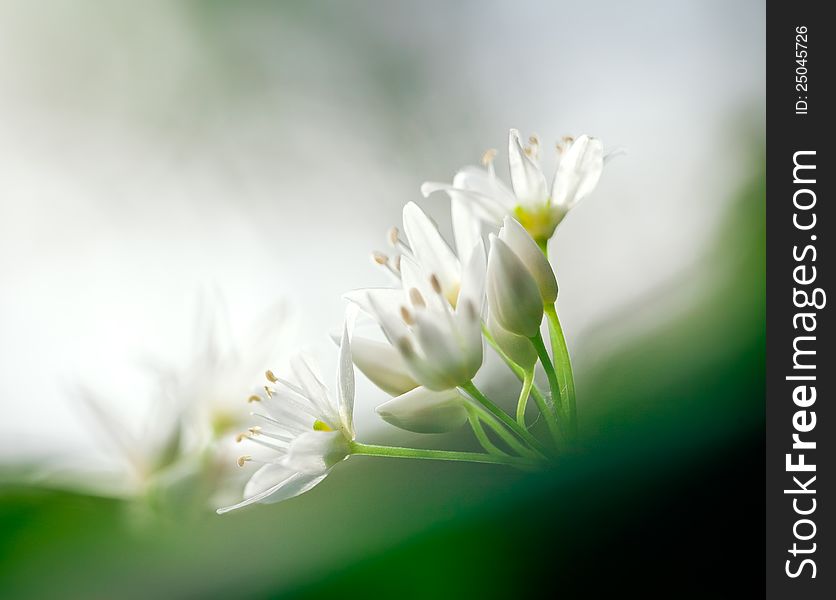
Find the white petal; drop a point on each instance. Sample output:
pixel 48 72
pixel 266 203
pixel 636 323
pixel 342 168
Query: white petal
pixel 345 382
pixel 513 295
pixel 440 348
pixel 486 183
pixel 578 172
pixel 484 207
pixel 426 372
pixel 383 365
pixel 316 451
pixel 315 391
pixel 388 314
pixel 518 239
pixel 518 348
pixel 425 411
pixel 467 228
pixel 391 298
pixel 413 276
pixel 274 483
pixel 430 249
pixel 473 279
pixel 527 178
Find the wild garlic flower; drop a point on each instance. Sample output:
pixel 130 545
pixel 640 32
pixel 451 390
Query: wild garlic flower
pixel 303 430
pixel 538 207
pixel 432 322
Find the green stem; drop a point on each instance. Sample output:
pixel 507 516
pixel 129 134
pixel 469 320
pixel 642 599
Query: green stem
pixel 548 367
pixel 560 352
pixel 525 392
pixel 506 420
pixel 517 369
pixel 563 366
pixel 488 417
pixel 422 453
pixel 479 432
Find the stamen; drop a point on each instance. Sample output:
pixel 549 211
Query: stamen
pixel 396 263
pixel 380 258
pixel 266 444
pixel 559 148
pixel 254 430
pixel 488 156
pixel 270 391
pixel 270 377
pixel 416 298
pixel 405 346
pixel 407 316
pixel 394 237
pixel 242 460
pixel 534 140
pixel 242 436
pixel 472 313
pixel 435 283
pixel 568 139
pixel 253 398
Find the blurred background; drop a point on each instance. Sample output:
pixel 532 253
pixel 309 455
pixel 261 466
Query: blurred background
pixel 188 188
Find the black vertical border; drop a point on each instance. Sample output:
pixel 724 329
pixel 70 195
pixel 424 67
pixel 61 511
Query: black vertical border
pixel 787 133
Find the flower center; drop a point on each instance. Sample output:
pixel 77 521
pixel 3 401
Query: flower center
pixel 538 221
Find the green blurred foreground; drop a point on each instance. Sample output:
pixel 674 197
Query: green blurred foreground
pixel 674 421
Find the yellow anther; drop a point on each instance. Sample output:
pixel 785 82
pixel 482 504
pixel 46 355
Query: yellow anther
pixel 253 398
pixel 416 298
pixel 321 426
pixel 472 313
pixel 435 283
pixel 407 316
pixel 488 156
pixel 380 258
pixel 393 235
pixel 405 346
pixel 242 460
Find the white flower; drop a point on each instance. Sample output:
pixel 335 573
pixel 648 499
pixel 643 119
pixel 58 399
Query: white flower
pixel 539 208
pixel 305 431
pixel 434 319
pixel 514 298
pixel 432 322
pixel 193 406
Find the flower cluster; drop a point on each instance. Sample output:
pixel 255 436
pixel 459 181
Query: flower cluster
pixel 445 304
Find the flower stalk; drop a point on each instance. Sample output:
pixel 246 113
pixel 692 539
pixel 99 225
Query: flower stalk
pixel 360 449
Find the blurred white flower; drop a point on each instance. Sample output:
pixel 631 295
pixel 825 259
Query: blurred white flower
pixel 183 435
pixel 538 208
pixel 305 432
